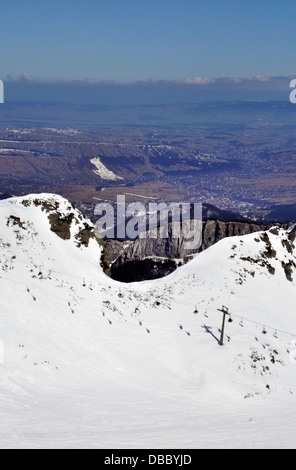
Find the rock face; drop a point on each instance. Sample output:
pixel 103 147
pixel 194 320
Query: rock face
pixel 61 225
pixel 65 221
pixel 215 230
pixel 173 248
pixel 122 258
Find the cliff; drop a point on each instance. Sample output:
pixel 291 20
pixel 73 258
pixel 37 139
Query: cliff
pixel 122 258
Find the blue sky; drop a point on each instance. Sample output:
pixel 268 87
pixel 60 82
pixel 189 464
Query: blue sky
pixel 130 40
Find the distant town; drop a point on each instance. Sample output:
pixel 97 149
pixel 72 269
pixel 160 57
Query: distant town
pixel 249 170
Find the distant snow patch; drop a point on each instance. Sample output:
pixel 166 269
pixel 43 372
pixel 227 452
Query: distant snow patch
pixel 103 172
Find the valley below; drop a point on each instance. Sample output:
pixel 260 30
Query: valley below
pixel 245 165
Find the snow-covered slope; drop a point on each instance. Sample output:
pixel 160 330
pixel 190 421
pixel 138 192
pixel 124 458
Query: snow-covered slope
pixel 89 362
pixel 102 170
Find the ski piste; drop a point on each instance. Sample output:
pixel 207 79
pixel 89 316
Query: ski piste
pixel 90 362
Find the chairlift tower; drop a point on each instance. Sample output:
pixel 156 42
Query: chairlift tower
pixel 225 312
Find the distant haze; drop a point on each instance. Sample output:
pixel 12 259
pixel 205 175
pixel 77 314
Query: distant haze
pixel 148 93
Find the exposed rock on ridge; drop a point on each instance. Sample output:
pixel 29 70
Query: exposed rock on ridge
pixel 64 219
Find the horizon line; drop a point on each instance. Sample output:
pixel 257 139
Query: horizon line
pixel 196 81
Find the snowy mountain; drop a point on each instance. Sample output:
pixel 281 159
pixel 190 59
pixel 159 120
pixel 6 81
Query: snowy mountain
pixel 89 362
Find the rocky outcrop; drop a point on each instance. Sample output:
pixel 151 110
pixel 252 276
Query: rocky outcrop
pixel 123 258
pixel 84 235
pixel 61 225
pixel 64 219
pixel 173 248
pixel 215 230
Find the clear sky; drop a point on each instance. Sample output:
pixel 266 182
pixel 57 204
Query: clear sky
pixel 130 40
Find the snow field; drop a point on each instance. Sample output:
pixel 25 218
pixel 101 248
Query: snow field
pixel 92 363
